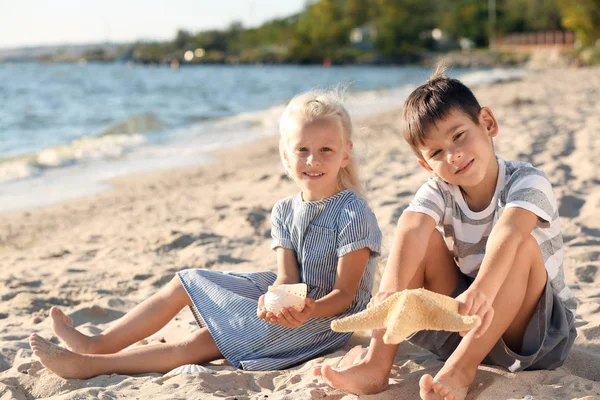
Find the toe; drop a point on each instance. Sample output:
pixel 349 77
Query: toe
pixel 426 387
pixel 317 370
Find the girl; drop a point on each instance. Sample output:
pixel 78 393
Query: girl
pixel 326 236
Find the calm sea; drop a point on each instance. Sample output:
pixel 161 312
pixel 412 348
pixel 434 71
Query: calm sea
pixel 65 129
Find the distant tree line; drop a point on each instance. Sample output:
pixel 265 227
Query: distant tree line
pixel 372 31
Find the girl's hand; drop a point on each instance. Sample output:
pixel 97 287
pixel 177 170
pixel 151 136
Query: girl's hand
pixel 474 301
pixel 290 318
pixel 261 311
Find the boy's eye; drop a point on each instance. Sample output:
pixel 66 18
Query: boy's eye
pixel 302 149
pixel 326 149
pixel 435 153
pixel 458 135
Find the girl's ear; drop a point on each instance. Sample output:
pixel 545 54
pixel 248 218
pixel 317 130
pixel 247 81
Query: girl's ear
pixel 347 153
pixel 487 119
pixel 425 166
pixel 284 159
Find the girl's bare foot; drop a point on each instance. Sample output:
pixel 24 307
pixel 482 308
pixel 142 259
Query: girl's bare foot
pixel 449 384
pixel 62 362
pixel 62 326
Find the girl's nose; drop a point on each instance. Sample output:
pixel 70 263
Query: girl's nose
pixel 312 160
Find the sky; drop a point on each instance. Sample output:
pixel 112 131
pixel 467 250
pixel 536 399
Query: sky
pixel 49 22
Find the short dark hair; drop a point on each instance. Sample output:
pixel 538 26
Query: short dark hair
pixel 432 102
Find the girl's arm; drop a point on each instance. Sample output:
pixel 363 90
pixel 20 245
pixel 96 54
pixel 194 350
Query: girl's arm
pixel 287 266
pixel 287 272
pixel 350 270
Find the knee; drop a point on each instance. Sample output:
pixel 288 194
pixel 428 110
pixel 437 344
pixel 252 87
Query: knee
pixel 176 290
pixel 529 246
pixel 529 253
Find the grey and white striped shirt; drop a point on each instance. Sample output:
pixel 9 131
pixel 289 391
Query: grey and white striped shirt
pixel 466 232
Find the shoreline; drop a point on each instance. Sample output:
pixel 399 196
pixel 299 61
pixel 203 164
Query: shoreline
pixel 85 164
pixel 98 256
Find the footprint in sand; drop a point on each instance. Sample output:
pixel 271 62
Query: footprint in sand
pixel 95 314
pixel 30 368
pixel 570 206
pixel 587 274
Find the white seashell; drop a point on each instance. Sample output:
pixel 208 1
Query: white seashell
pixel 286 295
pixel 186 369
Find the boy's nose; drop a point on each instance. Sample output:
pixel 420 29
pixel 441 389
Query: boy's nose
pixel 454 156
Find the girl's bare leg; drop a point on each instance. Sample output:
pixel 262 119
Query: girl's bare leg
pixel 144 320
pixel 438 273
pixel 197 348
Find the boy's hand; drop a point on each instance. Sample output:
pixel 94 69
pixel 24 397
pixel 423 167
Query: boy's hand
pixel 290 318
pixel 379 297
pixel 474 301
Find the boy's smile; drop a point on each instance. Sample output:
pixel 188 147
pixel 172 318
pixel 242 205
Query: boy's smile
pixel 314 156
pixel 461 152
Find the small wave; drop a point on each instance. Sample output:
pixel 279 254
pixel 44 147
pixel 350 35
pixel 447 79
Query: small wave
pixel 135 124
pixel 496 75
pixel 80 150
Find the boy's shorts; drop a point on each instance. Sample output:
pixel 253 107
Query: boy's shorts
pixel 546 342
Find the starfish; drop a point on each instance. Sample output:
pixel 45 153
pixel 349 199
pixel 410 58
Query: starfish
pixel 407 312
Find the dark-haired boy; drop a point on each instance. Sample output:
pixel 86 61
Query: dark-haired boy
pixel 483 230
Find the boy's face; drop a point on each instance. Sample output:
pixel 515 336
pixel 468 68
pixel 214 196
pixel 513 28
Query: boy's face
pixel 314 156
pixel 460 151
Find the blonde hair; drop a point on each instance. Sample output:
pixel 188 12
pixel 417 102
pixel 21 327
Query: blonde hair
pixel 316 105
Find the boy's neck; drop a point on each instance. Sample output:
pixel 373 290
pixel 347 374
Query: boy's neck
pixel 479 197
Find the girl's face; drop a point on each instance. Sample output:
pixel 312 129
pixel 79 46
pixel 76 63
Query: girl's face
pixel 314 154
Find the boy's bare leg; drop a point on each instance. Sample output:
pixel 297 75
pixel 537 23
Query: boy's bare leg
pixel 197 348
pixel 144 320
pixel 439 273
pixel 513 307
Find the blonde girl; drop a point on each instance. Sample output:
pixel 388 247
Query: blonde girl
pixel 325 236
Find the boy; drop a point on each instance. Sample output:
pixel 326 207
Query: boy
pixel 500 221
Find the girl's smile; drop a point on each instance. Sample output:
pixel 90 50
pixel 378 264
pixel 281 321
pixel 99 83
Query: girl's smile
pixel 314 156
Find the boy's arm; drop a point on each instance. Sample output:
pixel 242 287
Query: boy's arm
pixel 512 228
pixel 413 232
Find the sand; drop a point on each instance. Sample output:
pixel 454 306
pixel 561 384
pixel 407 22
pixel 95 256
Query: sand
pixel 97 257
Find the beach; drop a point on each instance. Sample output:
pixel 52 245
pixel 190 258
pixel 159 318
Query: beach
pixel 97 257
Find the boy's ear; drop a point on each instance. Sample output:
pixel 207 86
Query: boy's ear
pixel 425 166
pixel 487 119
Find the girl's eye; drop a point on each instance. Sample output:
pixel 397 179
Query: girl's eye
pixel 326 149
pixel 435 153
pixel 302 149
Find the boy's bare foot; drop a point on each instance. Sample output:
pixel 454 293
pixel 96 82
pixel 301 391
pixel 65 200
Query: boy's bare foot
pixel 452 384
pixel 364 377
pixel 62 362
pixel 62 326
pixel 352 357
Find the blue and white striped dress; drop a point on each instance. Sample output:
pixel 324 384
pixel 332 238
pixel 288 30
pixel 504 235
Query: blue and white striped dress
pixel 319 232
